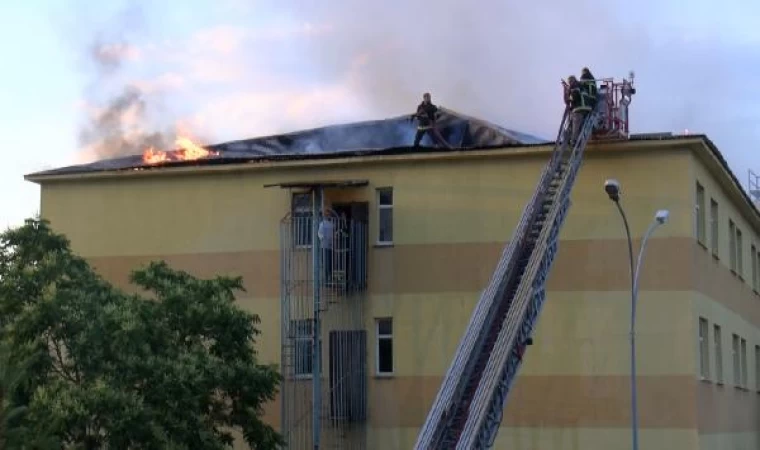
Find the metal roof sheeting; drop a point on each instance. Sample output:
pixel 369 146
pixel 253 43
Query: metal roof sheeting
pixel 461 131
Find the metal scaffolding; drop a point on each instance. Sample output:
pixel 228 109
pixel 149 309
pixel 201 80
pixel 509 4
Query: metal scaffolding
pixel 324 337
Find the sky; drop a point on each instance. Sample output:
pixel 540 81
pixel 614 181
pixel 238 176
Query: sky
pixel 83 80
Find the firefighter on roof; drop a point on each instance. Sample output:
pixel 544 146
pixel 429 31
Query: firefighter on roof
pixel 426 115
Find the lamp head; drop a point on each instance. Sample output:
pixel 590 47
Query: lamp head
pixel 612 188
pixel 661 216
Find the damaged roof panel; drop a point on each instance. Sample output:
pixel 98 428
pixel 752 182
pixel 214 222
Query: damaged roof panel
pixel 368 137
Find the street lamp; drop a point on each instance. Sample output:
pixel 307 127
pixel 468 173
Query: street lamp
pixel 612 188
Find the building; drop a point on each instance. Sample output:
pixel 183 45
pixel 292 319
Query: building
pixel 425 227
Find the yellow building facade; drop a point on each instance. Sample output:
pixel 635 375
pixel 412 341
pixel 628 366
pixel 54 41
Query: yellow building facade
pixel 452 213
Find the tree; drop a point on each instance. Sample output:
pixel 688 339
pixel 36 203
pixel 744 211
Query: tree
pixel 14 431
pixel 177 370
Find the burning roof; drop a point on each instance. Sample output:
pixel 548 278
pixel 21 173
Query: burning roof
pixel 339 140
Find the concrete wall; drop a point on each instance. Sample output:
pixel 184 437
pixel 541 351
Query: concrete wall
pixel 729 414
pixel 451 220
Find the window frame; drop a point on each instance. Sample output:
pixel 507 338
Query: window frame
pixel 757 368
pixel 739 253
pixel 381 209
pixel 714 227
pixel 699 208
pixel 306 340
pixel 743 360
pixel 383 337
pixel 732 245
pixel 736 359
pixel 704 348
pixel 753 252
pixel 718 344
pixel 756 258
pixel 297 213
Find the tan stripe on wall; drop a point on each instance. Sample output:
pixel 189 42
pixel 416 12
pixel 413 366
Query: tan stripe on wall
pixel 725 409
pixel 545 401
pixel 581 266
pixel 673 264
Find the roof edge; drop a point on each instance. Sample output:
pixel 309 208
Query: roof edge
pixel 709 154
pixel 349 158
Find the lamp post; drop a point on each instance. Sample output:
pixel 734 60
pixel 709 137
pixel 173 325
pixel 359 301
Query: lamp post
pixel 612 187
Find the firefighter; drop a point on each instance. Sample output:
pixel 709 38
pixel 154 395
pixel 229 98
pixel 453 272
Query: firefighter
pixel 578 110
pixel 427 115
pixel 588 88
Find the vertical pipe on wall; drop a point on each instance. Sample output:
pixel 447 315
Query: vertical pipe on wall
pixel 316 329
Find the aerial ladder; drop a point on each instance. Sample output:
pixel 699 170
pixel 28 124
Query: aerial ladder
pixel 467 412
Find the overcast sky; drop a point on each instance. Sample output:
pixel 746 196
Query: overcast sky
pixel 233 69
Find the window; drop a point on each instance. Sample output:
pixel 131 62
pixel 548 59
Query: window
pixel 714 214
pixel 753 255
pixel 718 354
pixel 737 363
pixel 732 244
pixel 384 353
pixel 744 363
pixel 301 214
pixel 739 253
pixel 757 368
pixel 385 215
pixel 303 346
pixel 700 211
pixel 704 352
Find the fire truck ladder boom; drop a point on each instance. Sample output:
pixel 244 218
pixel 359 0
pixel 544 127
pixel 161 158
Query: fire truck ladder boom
pixel 467 411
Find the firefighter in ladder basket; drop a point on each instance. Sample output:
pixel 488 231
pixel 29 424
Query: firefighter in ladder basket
pixel 578 109
pixel 426 116
pixel 588 88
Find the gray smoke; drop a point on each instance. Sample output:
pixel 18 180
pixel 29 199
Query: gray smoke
pixel 122 124
pixel 498 60
pixel 503 61
pixel 109 136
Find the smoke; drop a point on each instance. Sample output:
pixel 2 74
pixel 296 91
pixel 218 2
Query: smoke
pixel 122 128
pixel 499 60
pixel 120 121
pixel 503 60
pixel 273 67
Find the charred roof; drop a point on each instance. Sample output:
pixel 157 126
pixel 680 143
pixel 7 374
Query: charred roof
pixel 369 137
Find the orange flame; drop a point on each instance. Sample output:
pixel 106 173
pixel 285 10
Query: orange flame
pixel 188 151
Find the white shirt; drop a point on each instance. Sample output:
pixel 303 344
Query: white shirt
pixel 325 233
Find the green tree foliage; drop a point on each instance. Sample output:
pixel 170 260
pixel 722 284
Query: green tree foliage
pixel 113 370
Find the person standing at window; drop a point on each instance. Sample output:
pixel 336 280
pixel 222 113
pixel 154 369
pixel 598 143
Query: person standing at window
pixel 326 234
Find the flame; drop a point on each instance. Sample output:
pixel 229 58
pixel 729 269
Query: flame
pixel 188 151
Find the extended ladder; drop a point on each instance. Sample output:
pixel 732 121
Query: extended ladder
pixel 467 411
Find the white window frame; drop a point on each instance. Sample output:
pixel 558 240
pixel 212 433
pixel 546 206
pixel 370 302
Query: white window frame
pixel 757 368
pixel 743 359
pixel 306 340
pixel 699 208
pixel 739 253
pixel 383 337
pixel 753 255
pixel 295 212
pixel 380 208
pixel 732 245
pixel 718 342
pixel 715 227
pixel 756 258
pixel 704 349
pixel 736 360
